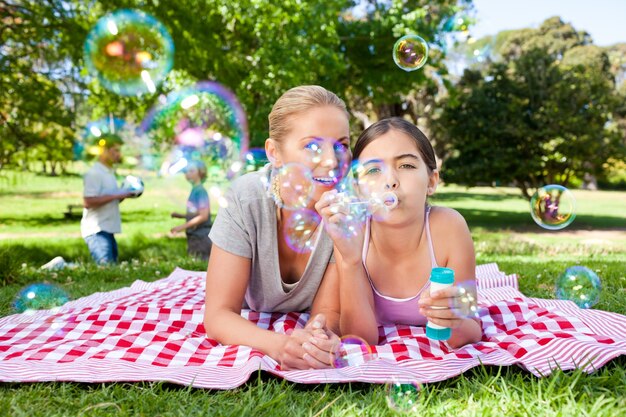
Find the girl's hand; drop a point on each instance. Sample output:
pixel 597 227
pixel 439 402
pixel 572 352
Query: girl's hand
pixel 443 307
pixel 346 231
pixel 309 348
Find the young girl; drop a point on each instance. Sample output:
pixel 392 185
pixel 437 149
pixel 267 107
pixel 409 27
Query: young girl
pixel 252 264
pixel 198 224
pixel 384 273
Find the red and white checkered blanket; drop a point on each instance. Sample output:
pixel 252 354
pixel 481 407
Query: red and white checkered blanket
pixel 153 332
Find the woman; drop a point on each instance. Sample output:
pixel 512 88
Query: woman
pixel 252 264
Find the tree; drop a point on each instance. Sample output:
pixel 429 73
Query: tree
pixel 35 99
pixel 256 48
pixel 376 87
pixel 538 116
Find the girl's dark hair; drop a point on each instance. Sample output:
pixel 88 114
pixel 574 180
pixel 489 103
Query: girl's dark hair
pixel 397 123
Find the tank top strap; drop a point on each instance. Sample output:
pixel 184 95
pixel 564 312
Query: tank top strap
pixel 433 260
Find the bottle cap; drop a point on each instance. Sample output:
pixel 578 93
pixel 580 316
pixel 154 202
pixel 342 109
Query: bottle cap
pixel 442 276
pixel 438 334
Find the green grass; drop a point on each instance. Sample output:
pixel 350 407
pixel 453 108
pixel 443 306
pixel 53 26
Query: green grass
pixel 33 230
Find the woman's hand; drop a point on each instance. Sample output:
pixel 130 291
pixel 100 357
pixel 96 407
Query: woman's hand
pixel 176 215
pixel 443 307
pixel 309 348
pixel 343 227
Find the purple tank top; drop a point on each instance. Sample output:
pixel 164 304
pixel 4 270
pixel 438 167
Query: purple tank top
pixel 390 310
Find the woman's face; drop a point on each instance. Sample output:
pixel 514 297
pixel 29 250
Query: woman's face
pixel 393 163
pixel 318 140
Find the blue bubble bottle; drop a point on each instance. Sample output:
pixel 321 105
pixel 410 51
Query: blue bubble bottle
pixel 440 278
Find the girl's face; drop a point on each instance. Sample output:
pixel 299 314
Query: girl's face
pixel 318 140
pixel 393 163
pixel 192 175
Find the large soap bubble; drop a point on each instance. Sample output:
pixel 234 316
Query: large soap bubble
pixel 129 51
pixel 204 122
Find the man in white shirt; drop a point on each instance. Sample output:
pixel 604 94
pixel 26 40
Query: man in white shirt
pixel 101 198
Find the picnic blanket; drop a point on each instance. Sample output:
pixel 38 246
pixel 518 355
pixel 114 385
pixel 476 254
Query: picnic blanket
pixel 152 331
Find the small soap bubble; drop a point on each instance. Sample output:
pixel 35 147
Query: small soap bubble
pixel 372 188
pixel 351 351
pixel 580 285
pixel 300 228
pixel 292 186
pixel 40 296
pixel 553 207
pixel 129 51
pixel 465 304
pixel 403 396
pixel 355 213
pixel 410 52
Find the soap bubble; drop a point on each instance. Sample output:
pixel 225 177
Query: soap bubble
pixel 410 52
pixel 371 185
pixel 403 397
pixel 350 351
pixel 292 186
pixel 204 122
pixel 355 213
pixel 580 285
pixel 553 207
pixel 40 296
pixel 300 228
pixel 129 51
pixel 465 305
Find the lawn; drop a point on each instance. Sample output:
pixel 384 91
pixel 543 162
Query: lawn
pixel 33 230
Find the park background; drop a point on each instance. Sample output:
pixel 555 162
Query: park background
pixel 508 111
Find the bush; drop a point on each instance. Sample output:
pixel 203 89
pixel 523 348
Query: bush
pixel 11 260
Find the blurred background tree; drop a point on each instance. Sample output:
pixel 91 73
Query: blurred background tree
pixel 539 112
pixel 534 106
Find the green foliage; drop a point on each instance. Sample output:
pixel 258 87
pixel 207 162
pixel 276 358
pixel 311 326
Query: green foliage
pixel 11 260
pixel 37 81
pixel 541 115
pixel 258 49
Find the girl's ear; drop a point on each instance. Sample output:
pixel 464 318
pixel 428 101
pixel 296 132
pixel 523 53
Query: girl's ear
pixel 432 182
pixel 271 150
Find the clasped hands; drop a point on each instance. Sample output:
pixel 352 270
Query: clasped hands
pixel 311 347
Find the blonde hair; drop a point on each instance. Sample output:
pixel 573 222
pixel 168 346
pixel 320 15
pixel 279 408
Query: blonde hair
pixel 298 100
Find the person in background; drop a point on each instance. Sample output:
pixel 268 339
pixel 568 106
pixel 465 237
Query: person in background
pixel 101 199
pixel 198 216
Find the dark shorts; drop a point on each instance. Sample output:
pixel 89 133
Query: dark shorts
pixel 199 246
